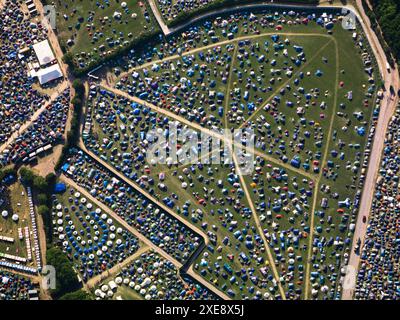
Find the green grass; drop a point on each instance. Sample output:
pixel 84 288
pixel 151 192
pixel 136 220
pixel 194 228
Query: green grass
pixel 82 30
pixel 283 215
pixel 165 280
pixel 16 203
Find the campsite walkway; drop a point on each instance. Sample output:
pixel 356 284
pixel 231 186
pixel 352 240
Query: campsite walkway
pixel 159 18
pixel 106 274
pixel 206 131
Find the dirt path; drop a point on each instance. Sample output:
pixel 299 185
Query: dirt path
pixel 259 227
pixel 159 18
pixel 316 187
pixel 106 82
pixel 52 39
pixel 388 107
pixel 283 85
pixel 146 194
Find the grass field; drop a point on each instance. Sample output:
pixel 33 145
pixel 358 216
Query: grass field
pixel 16 202
pixel 91 29
pixel 209 196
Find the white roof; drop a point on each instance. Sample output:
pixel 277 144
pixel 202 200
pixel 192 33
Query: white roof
pixel 43 52
pixel 49 74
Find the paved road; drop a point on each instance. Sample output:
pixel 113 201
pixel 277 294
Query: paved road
pixel 388 106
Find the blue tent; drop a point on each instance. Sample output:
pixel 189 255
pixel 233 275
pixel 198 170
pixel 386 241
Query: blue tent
pixel 60 188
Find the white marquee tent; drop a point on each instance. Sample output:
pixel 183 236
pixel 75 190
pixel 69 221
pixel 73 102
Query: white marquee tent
pixel 49 74
pixel 43 52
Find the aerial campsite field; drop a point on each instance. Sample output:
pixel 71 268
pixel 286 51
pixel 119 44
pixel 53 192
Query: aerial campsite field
pixel 307 91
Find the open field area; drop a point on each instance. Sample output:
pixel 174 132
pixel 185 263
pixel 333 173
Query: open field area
pixel 17 242
pixel 15 220
pixel 92 30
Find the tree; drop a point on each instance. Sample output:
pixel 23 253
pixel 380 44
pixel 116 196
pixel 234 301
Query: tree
pixel 27 176
pixel 77 295
pixel 66 279
pixel 40 183
pixel 43 210
pixel 51 179
pixel 42 198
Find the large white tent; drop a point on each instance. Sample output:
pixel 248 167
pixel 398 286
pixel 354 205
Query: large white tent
pixel 49 74
pixel 43 52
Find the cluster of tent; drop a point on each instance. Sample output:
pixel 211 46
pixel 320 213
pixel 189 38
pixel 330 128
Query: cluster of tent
pixel 379 276
pixel 103 33
pixel 47 130
pixel 89 235
pixel 35 232
pixel 215 189
pixel 170 9
pixel 18 99
pixel 152 278
pixel 190 86
pixel 136 209
pixel 287 200
pixel 15 287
